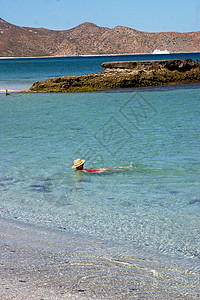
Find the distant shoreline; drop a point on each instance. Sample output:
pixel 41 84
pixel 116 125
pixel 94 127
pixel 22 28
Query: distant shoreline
pixel 99 55
pixel 3 91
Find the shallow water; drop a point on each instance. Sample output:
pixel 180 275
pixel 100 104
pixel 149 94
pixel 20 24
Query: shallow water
pixel 66 266
pixel 153 207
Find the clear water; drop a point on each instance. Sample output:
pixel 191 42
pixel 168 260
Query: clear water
pixel 153 208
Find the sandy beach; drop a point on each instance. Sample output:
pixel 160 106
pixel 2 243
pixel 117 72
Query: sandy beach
pixel 37 264
pixel 41 264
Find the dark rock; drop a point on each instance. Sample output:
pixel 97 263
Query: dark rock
pixel 120 75
pixel 181 65
pixel 195 201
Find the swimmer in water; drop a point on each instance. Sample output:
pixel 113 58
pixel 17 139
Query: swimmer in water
pixel 79 163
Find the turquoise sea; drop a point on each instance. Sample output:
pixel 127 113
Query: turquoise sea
pixel 150 212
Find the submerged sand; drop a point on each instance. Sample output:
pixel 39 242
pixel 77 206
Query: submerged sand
pixel 42 264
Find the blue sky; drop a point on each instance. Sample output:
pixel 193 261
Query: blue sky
pixel 145 15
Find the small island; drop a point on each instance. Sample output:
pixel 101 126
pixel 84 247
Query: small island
pixel 126 74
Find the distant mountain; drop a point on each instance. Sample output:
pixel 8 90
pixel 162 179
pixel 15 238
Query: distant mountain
pixel 90 39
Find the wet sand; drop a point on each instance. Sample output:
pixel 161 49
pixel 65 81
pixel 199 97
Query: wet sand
pixel 41 264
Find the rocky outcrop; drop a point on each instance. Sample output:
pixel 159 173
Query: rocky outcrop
pixel 90 39
pixel 181 65
pixel 120 75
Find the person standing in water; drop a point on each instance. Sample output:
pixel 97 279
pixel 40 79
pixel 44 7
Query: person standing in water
pixel 79 163
pixel 7 94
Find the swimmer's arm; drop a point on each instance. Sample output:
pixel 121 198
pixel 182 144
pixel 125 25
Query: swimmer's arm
pixel 122 168
pixel 115 169
pixel 126 167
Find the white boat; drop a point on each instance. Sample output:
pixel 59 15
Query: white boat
pixel 157 51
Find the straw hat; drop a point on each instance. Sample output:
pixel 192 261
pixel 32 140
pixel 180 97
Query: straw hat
pixel 78 162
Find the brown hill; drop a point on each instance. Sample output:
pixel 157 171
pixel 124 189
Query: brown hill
pixel 90 39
